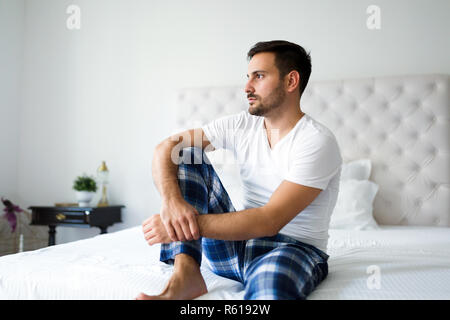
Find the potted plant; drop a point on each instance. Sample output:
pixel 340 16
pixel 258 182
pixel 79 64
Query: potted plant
pixel 85 188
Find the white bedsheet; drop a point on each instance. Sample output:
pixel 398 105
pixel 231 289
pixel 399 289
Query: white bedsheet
pixel 413 263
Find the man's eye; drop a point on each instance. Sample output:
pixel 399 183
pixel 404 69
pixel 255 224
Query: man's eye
pixel 259 76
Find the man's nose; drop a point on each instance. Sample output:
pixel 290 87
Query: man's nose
pixel 248 88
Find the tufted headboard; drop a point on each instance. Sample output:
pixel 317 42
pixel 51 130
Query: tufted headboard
pixel 401 123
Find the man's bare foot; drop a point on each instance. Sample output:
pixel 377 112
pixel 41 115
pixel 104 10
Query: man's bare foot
pixel 186 282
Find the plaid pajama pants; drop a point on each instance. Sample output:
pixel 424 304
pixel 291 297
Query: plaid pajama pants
pixel 277 267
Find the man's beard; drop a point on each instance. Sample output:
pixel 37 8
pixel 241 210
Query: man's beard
pixel 272 102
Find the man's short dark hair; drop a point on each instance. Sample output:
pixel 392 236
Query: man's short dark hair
pixel 288 56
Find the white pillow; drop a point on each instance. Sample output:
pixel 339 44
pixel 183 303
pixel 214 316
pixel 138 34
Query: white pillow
pixel 357 169
pixel 354 205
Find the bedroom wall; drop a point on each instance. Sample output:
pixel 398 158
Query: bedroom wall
pixel 12 14
pixel 103 92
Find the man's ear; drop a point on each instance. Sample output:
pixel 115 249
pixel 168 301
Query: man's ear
pixel 293 81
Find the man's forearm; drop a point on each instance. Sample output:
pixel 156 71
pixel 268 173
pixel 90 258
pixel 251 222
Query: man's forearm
pixel 164 171
pixel 239 225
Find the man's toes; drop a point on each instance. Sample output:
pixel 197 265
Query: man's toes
pixel 142 296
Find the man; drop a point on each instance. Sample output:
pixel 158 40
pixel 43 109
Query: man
pixel 290 169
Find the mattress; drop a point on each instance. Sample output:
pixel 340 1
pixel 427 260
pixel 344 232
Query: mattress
pixel 388 263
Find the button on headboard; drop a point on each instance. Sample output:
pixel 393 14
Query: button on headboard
pixel 401 123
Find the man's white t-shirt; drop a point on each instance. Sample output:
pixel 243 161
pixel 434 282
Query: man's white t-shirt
pixel 308 155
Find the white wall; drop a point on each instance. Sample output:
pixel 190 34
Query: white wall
pixel 102 92
pixel 12 15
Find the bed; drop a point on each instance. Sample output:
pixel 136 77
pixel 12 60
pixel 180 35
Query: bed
pixel 389 238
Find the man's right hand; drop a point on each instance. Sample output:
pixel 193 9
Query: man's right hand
pixel 179 219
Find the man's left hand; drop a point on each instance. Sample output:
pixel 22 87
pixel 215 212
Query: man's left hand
pixel 154 230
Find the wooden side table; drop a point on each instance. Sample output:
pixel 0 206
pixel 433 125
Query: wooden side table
pixel 81 217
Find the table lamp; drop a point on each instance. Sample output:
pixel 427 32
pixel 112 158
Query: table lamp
pixel 102 174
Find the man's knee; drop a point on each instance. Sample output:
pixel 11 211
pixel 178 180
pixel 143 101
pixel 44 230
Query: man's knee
pixel 193 155
pixel 194 165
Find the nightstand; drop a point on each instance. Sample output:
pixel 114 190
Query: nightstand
pixel 81 217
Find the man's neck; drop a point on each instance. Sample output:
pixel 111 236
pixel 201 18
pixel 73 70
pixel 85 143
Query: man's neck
pixel 280 123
